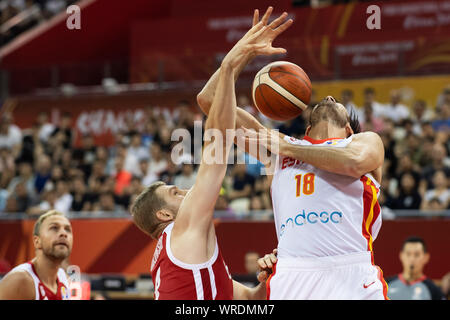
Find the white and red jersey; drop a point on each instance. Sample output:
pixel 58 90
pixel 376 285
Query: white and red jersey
pixel 319 213
pixel 42 292
pixel 176 280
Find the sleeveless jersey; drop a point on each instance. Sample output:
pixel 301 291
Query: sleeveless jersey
pixel 42 292
pixel 319 213
pixel 176 280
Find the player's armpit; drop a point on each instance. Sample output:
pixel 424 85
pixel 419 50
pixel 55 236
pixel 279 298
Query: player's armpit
pixel 17 286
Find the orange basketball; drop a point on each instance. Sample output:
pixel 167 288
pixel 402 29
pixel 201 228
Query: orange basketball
pixel 281 90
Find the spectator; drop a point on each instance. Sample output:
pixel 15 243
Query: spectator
pixel 442 121
pixel 347 101
pixel 81 201
pixel 106 203
pixel 371 123
pixel 186 179
pixel 149 133
pixel 444 97
pixel 440 194
pixel 435 204
pixel 45 128
pixel 63 133
pixel 421 113
pixel 122 177
pixel 10 135
pixel 25 175
pixel 162 139
pixel 256 203
pixel 412 283
pixel 251 267
pixel 147 177
pixel 409 197
pixel 295 127
pixel 84 156
pixel 242 182
pixel 169 174
pixel 438 155
pixel 136 149
pixel 48 203
pixel 369 99
pixel 445 285
pixel 158 162
pixel 43 173
pixel 395 110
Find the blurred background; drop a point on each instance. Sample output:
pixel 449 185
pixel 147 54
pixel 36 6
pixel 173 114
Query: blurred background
pixel 87 117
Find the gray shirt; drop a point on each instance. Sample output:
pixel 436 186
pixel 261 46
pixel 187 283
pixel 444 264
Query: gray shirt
pixel 421 289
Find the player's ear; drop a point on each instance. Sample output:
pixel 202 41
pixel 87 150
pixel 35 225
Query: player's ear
pixel 308 130
pixel 426 258
pixel 164 215
pixel 348 130
pixel 37 242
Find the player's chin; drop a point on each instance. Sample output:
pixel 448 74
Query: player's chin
pixel 60 252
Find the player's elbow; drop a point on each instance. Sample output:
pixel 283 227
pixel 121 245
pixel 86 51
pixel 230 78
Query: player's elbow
pixel 365 163
pixel 203 102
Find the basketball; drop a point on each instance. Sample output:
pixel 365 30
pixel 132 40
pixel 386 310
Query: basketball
pixel 281 90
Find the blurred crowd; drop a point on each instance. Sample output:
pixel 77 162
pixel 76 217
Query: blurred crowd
pixel 42 168
pixel 17 16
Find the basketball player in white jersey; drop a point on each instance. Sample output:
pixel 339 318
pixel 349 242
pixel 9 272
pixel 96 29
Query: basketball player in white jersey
pixel 42 278
pixel 324 194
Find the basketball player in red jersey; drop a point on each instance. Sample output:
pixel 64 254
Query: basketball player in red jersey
pixel 187 263
pixel 330 228
pixel 42 278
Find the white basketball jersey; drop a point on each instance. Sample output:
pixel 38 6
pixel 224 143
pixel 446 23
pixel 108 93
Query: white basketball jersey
pixel 42 292
pixel 318 213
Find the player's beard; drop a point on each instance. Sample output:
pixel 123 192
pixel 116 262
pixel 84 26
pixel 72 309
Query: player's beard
pixel 55 253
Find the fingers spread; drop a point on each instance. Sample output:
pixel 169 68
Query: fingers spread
pixel 266 16
pixel 255 17
pixel 283 27
pixel 275 23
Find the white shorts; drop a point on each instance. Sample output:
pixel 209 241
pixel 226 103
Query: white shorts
pixel 344 277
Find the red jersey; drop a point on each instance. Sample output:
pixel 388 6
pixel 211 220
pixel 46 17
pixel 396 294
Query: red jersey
pixel 176 280
pixel 42 292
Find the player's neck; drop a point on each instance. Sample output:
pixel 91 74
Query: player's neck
pixel 47 270
pixel 325 130
pixel 411 277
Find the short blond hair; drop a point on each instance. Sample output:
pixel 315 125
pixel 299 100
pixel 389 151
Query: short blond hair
pixel 40 220
pixel 144 209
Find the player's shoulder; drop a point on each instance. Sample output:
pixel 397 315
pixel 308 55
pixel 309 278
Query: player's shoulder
pixel 17 284
pixel 436 292
pixel 368 137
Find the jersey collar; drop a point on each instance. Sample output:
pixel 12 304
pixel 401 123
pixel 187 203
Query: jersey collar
pixel 320 141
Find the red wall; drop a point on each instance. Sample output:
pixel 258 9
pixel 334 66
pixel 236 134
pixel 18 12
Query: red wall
pixel 117 246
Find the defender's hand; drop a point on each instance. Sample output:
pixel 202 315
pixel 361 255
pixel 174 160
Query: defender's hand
pixel 266 264
pixel 258 40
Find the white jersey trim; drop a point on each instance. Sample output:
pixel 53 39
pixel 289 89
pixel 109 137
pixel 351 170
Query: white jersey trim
pixel 185 265
pixel 62 277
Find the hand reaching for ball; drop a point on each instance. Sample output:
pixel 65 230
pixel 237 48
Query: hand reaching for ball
pixel 258 40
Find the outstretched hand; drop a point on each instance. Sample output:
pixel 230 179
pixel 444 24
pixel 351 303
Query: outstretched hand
pixel 258 40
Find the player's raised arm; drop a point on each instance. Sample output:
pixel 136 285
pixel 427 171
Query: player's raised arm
pixel 219 136
pixel 275 28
